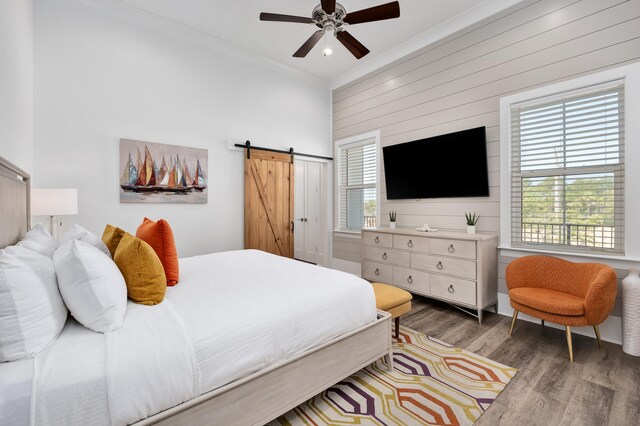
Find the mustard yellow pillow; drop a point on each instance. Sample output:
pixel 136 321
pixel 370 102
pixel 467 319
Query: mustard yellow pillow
pixel 141 269
pixel 111 237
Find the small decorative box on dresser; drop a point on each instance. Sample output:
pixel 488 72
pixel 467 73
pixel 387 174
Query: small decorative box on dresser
pixel 458 268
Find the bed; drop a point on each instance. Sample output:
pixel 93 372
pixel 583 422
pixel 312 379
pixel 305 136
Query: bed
pixel 262 337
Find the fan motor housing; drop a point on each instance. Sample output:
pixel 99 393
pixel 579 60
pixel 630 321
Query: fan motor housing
pixel 329 22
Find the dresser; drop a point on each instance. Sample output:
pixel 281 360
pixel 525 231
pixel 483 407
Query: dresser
pixel 458 268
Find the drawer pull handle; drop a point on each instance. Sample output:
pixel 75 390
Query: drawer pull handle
pixel 439 265
pixel 410 280
pixel 451 289
pixel 410 243
pixel 451 249
pixel 377 240
pixel 377 271
pixel 384 256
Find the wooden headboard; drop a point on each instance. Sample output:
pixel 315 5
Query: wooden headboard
pixel 15 214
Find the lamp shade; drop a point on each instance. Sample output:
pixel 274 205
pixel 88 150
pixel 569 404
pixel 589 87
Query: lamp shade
pixel 54 201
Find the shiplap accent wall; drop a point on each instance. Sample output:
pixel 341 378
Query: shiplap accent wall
pixel 457 84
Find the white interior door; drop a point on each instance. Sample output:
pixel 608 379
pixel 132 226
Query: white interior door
pixel 309 212
pixel 313 216
pixel 299 203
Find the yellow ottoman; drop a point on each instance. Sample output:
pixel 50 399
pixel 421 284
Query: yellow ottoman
pixel 394 300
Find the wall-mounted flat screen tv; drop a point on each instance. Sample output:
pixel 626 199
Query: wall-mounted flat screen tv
pixel 451 165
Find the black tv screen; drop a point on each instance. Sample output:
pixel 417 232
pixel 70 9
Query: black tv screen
pixel 451 165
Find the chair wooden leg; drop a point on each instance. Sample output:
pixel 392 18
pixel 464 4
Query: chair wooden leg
pixel 542 323
pixel 397 336
pixel 597 330
pixel 569 343
pixel 513 321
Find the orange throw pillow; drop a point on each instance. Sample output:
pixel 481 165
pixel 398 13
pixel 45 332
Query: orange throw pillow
pixel 160 237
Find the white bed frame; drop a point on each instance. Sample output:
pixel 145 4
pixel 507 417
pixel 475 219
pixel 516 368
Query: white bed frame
pixel 260 397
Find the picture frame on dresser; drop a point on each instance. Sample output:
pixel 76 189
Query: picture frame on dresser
pixel 455 267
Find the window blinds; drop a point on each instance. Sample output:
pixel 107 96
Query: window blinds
pixel 567 171
pixel 357 185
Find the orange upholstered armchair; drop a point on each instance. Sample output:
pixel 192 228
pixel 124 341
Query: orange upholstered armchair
pixel 567 293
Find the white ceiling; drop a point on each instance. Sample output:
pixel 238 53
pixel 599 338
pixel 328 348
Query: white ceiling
pixel 237 22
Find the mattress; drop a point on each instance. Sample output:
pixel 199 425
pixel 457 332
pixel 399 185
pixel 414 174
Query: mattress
pixel 232 314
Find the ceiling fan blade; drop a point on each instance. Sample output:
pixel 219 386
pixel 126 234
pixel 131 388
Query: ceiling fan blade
pixel 355 47
pixel 276 17
pixel 308 45
pixel 377 13
pixel 329 6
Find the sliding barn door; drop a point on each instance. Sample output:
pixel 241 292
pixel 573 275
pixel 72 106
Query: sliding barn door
pixel 268 202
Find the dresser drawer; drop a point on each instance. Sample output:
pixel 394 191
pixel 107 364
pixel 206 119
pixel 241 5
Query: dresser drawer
pixel 384 255
pixel 453 289
pixel 412 280
pixel 378 239
pixel 407 242
pixel 444 265
pixel 377 272
pixel 455 248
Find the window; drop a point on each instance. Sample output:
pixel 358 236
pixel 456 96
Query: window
pixel 357 192
pixel 567 171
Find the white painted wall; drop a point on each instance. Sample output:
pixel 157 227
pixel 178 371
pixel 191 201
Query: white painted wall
pixel 103 73
pixel 16 82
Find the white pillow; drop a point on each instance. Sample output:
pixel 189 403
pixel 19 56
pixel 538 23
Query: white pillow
pixel 91 285
pixel 39 239
pixel 77 232
pixel 32 312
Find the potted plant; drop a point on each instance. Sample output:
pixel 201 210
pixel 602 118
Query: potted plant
pixel 392 220
pixel 472 219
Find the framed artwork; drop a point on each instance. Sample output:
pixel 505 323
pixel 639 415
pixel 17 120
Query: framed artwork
pixel 160 173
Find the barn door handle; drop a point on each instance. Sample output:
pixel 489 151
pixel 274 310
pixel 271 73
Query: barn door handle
pixel 384 256
pixel 410 280
pixel 410 243
pixel 377 271
pixel 293 226
pixel 451 249
pixel 377 240
pixel 439 265
pixel 451 289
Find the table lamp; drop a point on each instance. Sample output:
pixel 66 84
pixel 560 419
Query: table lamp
pixel 54 202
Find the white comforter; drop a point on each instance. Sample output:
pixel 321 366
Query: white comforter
pixel 232 314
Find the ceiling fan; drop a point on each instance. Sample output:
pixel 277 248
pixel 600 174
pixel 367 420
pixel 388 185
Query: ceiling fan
pixel 331 16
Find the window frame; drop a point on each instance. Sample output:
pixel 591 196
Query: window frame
pixel 353 141
pixel 630 75
pixel 566 172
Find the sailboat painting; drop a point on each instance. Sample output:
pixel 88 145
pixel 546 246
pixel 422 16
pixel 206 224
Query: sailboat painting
pixel 160 173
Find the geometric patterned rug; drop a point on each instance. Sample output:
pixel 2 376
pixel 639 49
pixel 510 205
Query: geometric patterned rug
pixel 433 383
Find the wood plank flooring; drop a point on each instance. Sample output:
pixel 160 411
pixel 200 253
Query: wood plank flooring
pixel 602 387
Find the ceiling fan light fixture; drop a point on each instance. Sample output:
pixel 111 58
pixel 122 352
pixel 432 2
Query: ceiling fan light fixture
pixel 330 16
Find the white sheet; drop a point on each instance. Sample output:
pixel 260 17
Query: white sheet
pixel 232 314
pixel 246 310
pixel 70 385
pixel 16 379
pixel 150 363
